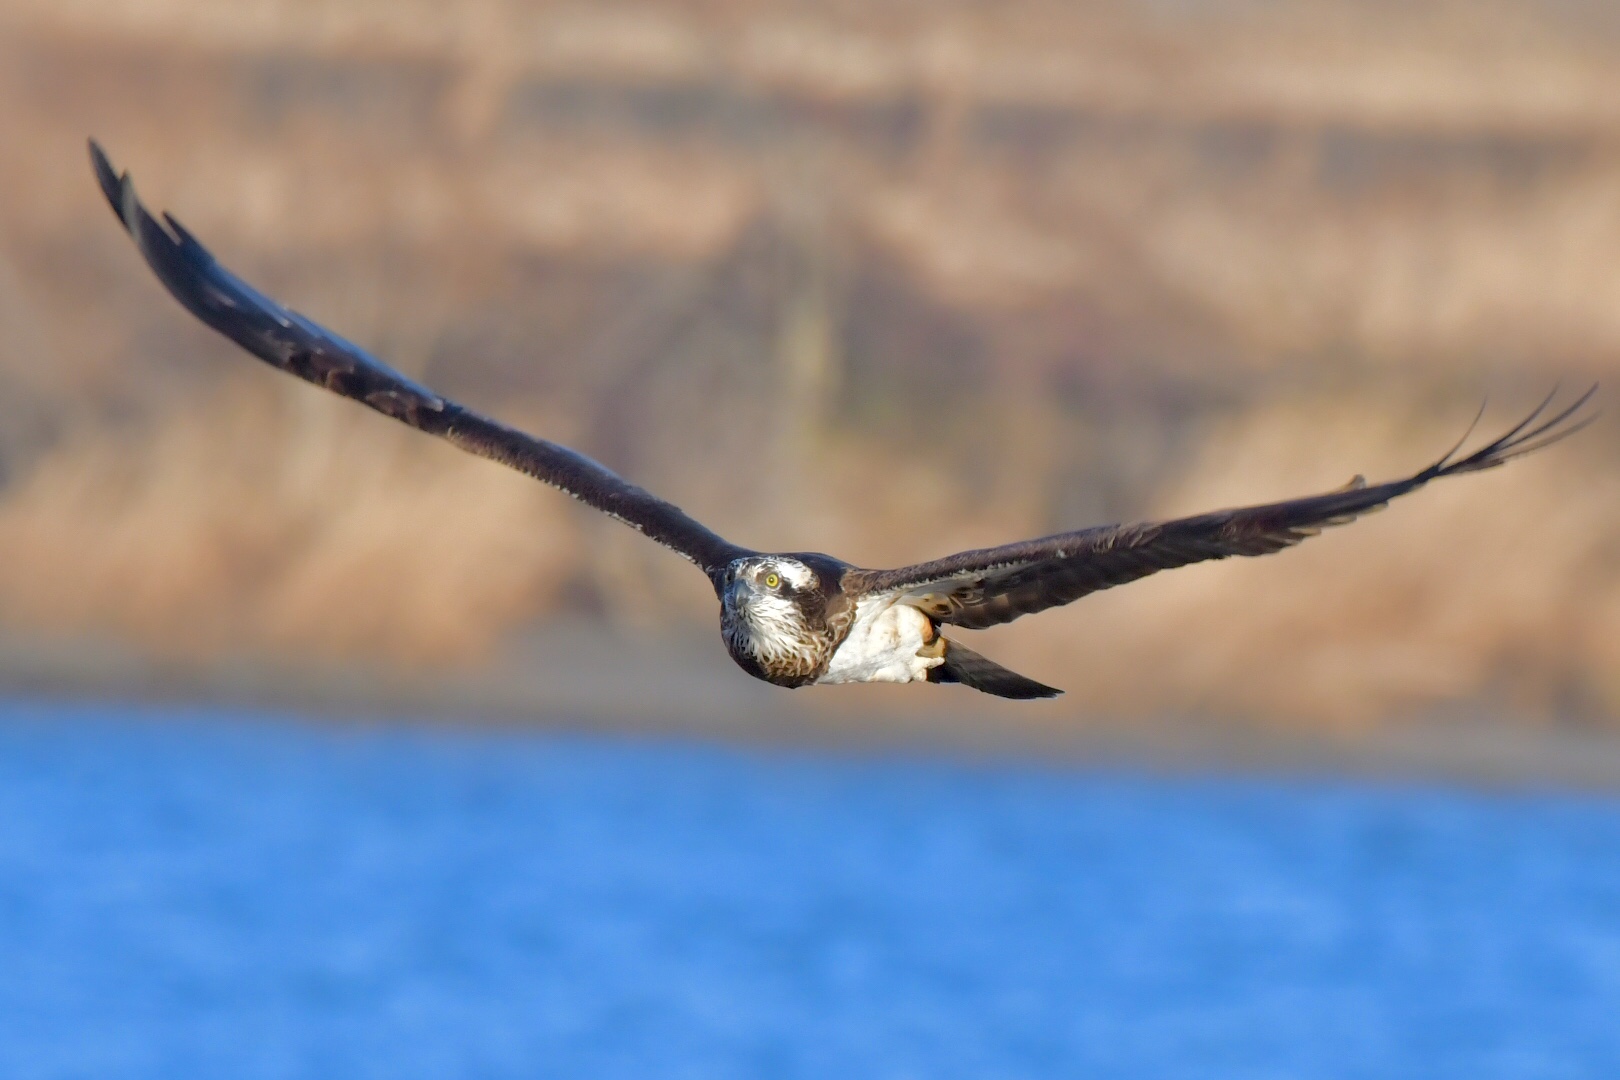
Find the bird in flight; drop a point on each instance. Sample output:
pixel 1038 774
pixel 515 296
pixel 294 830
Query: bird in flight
pixel 799 618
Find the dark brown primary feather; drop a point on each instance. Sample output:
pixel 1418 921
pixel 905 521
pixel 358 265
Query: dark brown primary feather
pixel 286 340
pixel 982 588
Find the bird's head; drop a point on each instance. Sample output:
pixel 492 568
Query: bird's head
pixel 769 590
pixel 771 611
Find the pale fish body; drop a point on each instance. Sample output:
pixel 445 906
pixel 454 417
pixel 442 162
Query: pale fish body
pixel 888 642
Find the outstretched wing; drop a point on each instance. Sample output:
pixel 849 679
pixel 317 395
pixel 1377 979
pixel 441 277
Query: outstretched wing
pixel 286 340
pixel 982 588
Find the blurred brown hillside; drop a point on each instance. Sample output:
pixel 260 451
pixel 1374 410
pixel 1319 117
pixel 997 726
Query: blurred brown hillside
pixel 884 279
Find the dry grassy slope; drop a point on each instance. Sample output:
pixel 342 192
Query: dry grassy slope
pixel 1049 263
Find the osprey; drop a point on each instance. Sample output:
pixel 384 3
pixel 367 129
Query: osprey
pixel 796 619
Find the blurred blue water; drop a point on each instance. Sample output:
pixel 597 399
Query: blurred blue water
pixel 215 896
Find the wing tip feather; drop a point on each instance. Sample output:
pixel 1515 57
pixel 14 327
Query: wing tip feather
pixel 1517 441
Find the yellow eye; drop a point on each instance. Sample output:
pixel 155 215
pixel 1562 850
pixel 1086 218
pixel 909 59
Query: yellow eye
pixel 772 580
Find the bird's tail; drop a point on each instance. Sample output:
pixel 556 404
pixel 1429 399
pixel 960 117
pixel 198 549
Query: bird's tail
pixel 963 665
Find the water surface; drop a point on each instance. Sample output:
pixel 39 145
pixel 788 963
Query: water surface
pixel 214 895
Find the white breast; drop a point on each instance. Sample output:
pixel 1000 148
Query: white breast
pixel 882 645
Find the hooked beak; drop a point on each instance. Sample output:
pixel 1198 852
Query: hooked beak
pixel 736 593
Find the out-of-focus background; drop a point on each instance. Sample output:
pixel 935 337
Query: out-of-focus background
pixel 884 280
